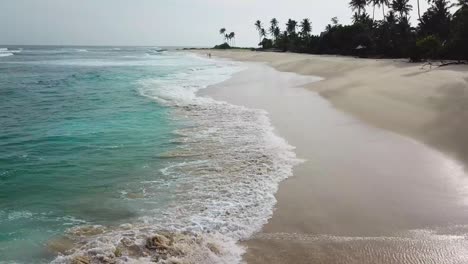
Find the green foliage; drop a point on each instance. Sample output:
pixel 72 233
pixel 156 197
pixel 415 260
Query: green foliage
pixel 228 38
pixel 458 45
pixel 344 39
pixel 358 5
pixel 266 43
pixel 222 46
pixel 439 34
pixel 402 7
pixel 436 20
pixel 429 47
pixel 306 27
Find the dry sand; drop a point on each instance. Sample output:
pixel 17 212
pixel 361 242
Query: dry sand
pixel 364 194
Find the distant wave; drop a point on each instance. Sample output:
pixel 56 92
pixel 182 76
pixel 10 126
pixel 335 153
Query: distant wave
pixel 124 60
pixel 5 52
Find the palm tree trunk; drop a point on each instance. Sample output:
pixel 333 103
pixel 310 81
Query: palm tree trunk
pixel 383 10
pixel 373 14
pixel 419 12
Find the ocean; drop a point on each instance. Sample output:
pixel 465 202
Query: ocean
pixel 103 149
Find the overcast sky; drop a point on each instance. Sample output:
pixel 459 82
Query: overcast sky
pixel 157 22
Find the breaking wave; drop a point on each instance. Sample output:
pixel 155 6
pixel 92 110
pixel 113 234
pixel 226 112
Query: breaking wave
pixel 224 174
pixel 5 52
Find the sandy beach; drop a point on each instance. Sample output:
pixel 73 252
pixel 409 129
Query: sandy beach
pixel 384 149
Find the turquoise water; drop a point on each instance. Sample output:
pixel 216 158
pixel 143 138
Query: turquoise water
pixel 75 132
pixel 102 148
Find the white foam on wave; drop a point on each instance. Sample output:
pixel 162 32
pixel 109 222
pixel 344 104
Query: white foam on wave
pixel 12 216
pixel 165 60
pixel 223 177
pixel 181 88
pixel 6 54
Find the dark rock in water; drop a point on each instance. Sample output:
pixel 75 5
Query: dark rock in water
pixel 81 260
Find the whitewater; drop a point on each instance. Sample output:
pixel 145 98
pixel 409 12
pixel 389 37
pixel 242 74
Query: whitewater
pixel 207 184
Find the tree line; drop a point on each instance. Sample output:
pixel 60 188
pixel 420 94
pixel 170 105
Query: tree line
pixel 439 34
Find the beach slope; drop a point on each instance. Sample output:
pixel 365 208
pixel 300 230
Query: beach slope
pixel 364 194
pixel 423 102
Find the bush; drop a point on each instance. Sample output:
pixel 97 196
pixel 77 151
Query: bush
pixel 222 46
pixel 458 45
pixel 429 47
pixel 415 54
pixel 266 43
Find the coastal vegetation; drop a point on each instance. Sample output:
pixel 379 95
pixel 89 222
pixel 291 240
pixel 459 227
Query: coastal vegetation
pixel 228 39
pixel 441 32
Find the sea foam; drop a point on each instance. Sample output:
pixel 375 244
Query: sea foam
pixel 223 175
pixel 6 52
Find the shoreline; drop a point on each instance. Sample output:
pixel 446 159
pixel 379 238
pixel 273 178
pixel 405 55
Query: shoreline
pixel 364 195
pixel 391 94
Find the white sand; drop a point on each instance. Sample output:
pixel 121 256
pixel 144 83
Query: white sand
pixel 364 195
pixel 430 105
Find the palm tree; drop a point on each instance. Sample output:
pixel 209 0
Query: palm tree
pixel 291 27
pixel 232 35
pixel 462 4
pixel 259 27
pixel 273 26
pixel 363 18
pixel 384 3
pixel 306 27
pixel 222 31
pixel 402 6
pixel 419 11
pixel 263 34
pixel 374 4
pixel 358 5
pixel 334 21
pixel 356 18
pixel 277 33
pixel 436 20
pixel 391 18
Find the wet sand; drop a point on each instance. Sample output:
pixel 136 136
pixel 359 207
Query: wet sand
pixel 363 194
pixel 428 104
